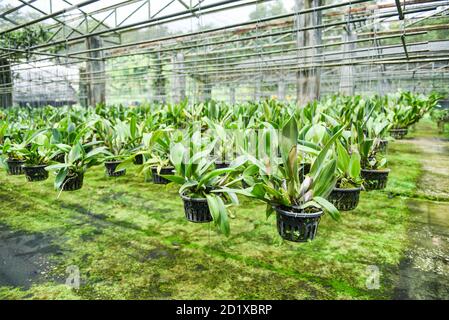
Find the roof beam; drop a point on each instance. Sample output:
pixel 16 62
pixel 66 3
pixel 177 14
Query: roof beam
pixel 89 15
pixel 48 16
pixel 398 6
pixel 54 18
pixel 47 54
pixel 154 21
pixel 4 14
pixel 185 5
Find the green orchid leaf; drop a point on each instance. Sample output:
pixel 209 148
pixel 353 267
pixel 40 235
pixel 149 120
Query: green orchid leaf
pixel 174 178
pixel 215 173
pixel 75 153
pixel 177 154
pixel 213 207
pixel 328 207
pixel 56 167
pixel 318 163
pixel 325 181
pixel 224 220
pixel 354 165
pixel 269 210
pixel 60 178
pixel 343 158
pixel 289 137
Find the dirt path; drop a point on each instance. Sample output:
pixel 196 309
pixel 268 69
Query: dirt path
pixel 424 273
pixel 435 161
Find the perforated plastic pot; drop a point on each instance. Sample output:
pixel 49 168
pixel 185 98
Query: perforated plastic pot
pixel 138 159
pixel 222 164
pixel 375 179
pixel 157 179
pixel 398 133
pixel 345 199
pixel 36 173
pixel 111 169
pixel 15 167
pixel 196 209
pixel 296 225
pixel 60 158
pixel 73 182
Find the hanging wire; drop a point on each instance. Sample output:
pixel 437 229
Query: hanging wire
pixel 347 73
pixel 402 26
pixel 192 90
pixel 372 68
pixel 296 26
pixel 259 60
pixel 372 72
pixel 197 93
pixel 312 89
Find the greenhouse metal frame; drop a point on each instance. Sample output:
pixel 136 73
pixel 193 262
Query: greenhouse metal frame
pixel 224 149
pixel 315 48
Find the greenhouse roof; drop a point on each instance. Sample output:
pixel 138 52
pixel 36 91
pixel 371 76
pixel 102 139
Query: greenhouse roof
pixel 236 41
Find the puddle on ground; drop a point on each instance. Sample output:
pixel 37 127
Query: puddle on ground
pixel 24 257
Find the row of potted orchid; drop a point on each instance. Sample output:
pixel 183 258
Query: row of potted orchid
pixel 303 162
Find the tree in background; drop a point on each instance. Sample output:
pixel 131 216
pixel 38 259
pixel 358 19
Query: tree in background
pixel 264 10
pixel 17 16
pixel 18 41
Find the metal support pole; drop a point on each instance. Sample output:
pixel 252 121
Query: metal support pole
pixel 97 89
pixel 347 84
pixel 232 95
pixel 179 78
pixel 281 89
pixel 308 80
pixel 5 83
pixel 398 6
pixel 48 16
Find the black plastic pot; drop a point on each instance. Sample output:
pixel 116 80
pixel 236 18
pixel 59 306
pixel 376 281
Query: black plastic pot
pixel 60 158
pixel 398 133
pixel 15 167
pixel 73 182
pixel 110 169
pixel 138 159
pixel 157 179
pixel 345 199
pixel 35 173
pixel 296 225
pixel 222 164
pixel 375 179
pixel 196 209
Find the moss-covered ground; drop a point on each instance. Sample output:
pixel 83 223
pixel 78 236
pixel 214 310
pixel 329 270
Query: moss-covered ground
pixel 424 271
pixel 130 240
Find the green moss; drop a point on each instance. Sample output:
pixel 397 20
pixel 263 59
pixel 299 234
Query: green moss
pixel 130 240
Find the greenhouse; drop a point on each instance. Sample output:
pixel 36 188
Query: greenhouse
pixel 224 150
